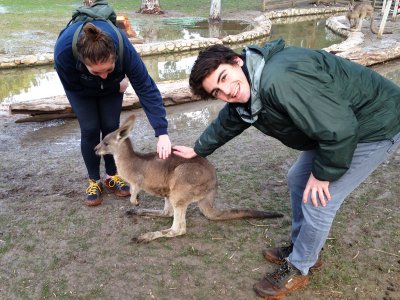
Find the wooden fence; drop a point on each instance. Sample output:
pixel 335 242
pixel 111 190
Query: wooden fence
pixel 268 5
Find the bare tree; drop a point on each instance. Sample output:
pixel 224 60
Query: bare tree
pixel 150 7
pixel 215 11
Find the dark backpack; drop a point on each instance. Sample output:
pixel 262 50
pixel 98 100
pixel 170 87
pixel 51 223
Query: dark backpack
pixel 99 10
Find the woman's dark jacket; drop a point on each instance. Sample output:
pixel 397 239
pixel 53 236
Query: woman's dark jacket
pixel 76 79
pixel 310 99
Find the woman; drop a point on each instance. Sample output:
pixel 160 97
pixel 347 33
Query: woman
pixel 94 83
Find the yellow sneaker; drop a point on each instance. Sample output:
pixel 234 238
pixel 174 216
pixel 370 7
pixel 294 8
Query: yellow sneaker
pixel 93 193
pixel 118 186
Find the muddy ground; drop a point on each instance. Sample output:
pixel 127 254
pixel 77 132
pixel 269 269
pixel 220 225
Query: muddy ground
pixel 52 246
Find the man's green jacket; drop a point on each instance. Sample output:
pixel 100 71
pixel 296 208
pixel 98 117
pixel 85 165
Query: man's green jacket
pixel 310 99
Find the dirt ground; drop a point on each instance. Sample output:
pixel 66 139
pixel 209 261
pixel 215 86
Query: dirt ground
pixel 52 246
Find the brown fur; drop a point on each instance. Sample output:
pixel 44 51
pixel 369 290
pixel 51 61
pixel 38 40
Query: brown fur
pixel 358 13
pixel 181 181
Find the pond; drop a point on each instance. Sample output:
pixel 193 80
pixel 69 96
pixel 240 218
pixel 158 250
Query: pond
pixel 40 82
pixel 168 29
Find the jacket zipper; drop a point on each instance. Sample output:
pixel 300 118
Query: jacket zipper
pixel 101 84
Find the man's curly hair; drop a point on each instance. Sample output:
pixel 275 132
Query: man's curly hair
pixel 208 61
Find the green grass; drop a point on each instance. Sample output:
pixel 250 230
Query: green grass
pixel 38 23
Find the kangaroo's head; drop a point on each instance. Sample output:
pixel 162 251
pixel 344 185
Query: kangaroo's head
pixel 110 144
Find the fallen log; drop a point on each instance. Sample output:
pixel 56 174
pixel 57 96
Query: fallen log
pixel 46 117
pixel 45 109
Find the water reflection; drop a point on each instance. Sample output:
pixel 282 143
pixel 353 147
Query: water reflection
pixel 306 34
pixel 184 28
pixel 28 84
pixel 33 83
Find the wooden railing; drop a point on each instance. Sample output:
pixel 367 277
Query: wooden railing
pixel 267 5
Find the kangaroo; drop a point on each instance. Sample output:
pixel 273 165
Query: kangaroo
pixel 180 181
pixel 358 13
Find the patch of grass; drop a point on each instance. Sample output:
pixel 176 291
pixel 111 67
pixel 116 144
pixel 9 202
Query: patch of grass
pixel 29 247
pixel 6 245
pixel 178 269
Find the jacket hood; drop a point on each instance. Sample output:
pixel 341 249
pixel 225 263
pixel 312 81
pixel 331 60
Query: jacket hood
pixel 256 57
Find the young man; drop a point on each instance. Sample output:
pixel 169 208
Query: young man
pixel 345 118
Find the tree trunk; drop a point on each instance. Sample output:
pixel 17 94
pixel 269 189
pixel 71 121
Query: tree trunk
pixel 150 7
pixel 215 11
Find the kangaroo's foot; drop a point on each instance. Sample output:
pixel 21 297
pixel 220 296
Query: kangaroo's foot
pixel 149 212
pixel 149 236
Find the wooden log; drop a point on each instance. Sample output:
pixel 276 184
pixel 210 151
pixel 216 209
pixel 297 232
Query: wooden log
pixel 46 117
pixel 45 109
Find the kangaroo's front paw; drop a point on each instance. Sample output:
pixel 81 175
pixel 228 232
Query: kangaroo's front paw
pixel 135 200
pixel 132 211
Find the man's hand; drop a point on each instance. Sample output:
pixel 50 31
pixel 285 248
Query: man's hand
pixel 183 151
pixel 123 85
pixel 316 188
pixel 163 146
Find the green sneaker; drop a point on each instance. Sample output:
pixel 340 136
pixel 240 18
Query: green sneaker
pixel 93 193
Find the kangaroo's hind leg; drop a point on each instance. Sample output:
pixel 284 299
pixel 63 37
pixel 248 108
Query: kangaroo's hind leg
pixel 166 212
pixel 178 225
pixel 360 21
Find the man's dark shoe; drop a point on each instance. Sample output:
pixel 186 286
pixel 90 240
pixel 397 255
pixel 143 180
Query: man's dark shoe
pixel 278 256
pixel 280 283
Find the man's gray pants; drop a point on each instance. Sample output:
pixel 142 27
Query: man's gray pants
pixel 311 225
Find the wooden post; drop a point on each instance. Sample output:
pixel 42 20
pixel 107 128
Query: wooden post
pixel 263 5
pixel 384 18
pixel 395 10
pixel 383 5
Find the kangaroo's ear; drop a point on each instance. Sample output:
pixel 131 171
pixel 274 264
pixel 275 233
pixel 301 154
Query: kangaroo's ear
pixel 126 128
pixel 123 133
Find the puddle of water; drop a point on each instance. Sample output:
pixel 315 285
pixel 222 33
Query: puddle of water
pixel 184 28
pixel 391 70
pixel 32 83
pixel 3 9
pixel 307 34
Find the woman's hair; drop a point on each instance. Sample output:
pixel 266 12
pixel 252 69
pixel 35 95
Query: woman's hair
pixel 208 61
pixel 94 45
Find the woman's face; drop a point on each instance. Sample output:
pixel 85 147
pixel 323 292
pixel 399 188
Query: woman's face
pixel 101 69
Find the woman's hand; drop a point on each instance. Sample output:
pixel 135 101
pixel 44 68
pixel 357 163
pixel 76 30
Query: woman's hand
pixel 123 85
pixel 183 151
pixel 316 188
pixel 163 146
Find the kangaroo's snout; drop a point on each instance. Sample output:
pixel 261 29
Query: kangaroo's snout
pixel 100 149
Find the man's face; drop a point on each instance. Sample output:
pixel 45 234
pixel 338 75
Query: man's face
pixel 228 83
pixel 101 69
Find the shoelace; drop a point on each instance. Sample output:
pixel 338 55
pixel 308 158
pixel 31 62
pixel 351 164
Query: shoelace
pixel 280 273
pixel 93 187
pixel 116 180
